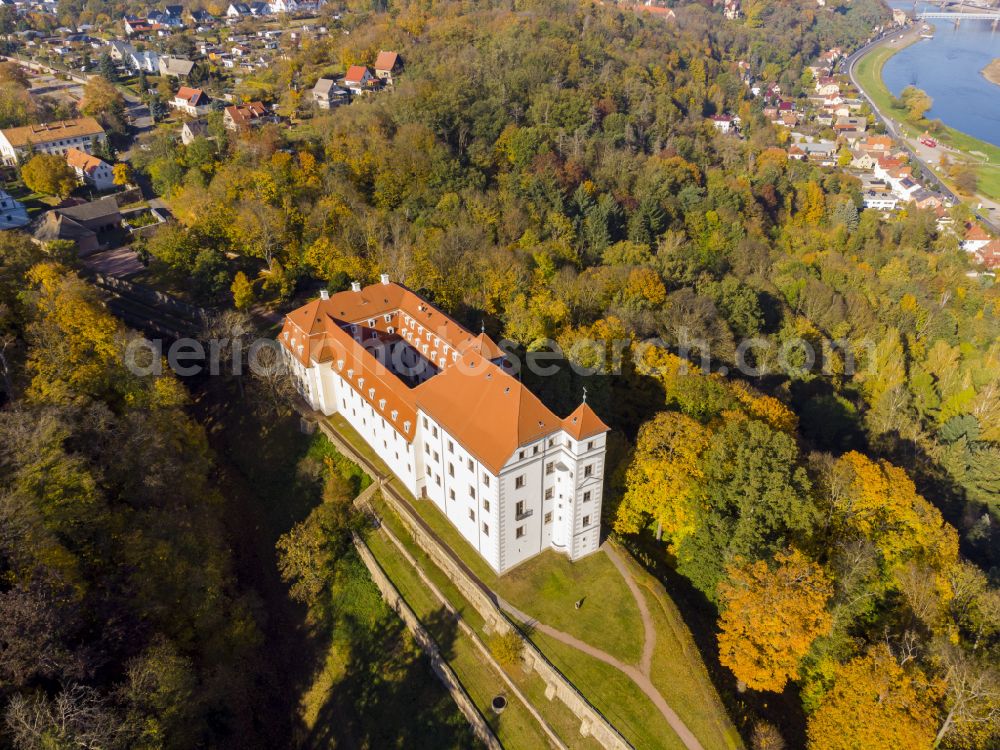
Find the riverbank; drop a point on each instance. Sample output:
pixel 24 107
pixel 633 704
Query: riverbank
pixel 983 157
pixel 992 72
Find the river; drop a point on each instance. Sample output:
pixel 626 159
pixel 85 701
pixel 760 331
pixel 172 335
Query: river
pixel 948 68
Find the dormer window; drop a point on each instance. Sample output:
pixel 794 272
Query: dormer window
pixel 361 382
pixel 371 322
pixel 406 426
pixel 381 402
pixel 286 335
pixel 340 364
pixel 350 373
pixel 391 330
pixel 387 317
pixel 394 414
pixel 371 393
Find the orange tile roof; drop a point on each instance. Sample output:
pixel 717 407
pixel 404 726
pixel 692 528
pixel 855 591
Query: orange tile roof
pixel 386 60
pixel 356 73
pixel 976 232
pixel 584 423
pixel 483 407
pixel 53 131
pixel 82 160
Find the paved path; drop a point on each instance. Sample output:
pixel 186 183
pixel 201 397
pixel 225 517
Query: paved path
pixel 639 674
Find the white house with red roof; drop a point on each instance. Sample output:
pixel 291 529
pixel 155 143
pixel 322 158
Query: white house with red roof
pixel 439 406
pixel 387 64
pixel 975 238
pixel 91 170
pixel 359 79
pixel 191 101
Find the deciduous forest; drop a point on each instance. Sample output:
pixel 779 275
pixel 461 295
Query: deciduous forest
pixel 546 170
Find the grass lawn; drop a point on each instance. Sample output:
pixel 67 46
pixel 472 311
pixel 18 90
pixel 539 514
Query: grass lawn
pixel 546 588
pixel 356 679
pixel 559 717
pixel 515 727
pixel 679 674
pixel 614 695
pixel 987 159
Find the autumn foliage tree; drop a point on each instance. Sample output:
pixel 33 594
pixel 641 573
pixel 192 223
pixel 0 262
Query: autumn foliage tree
pixel 876 702
pixel 770 617
pixel 49 174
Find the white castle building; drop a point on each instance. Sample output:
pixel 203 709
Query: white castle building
pixel 437 404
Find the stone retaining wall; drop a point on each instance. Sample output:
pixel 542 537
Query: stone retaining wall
pixel 592 722
pixel 426 642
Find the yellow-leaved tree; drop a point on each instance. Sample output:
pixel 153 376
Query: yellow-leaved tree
pixel 876 703
pixel 662 481
pixel 878 501
pixel 770 618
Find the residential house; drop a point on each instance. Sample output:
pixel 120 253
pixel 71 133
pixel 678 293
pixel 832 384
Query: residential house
pixel 359 79
pixel 847 125
pixel 120 51
pixel 451 422
pixel 827 86
pixel 191 101
pixel 732 9
pixel 146 61
pixel 13 214
pixel 326 94
pixel 90 170
pixel 50 138
pixel 242 116
pixel 238 10
pixel 177 67
pixel 192 129
pixel 879 201
pixel 283 6
pixel 975 238
pixel 135 26
pixel 387 65
pixel 989 255
pixel 722 123
pixel 86 224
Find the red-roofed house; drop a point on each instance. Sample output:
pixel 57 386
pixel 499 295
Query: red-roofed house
pixel 191 101
pixel 359 79
pixel 975 238
pixel 90 169
pixel 439 406
pixel 989 254
pixel 387 64
pixel 243 116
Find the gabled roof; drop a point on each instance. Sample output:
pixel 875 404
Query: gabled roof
pixel 489 412
pixel 356 73
pixel 82 160
pixel 386 60
pixel 53 131
pixel 194 97
pixel 976 232
pixel 583 423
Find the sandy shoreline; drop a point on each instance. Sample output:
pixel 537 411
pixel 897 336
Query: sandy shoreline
pixel 992 72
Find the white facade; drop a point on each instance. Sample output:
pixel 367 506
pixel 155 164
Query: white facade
pixel 546 494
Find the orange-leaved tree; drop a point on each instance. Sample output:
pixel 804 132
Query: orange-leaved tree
pixel 875 702
pixel 770 617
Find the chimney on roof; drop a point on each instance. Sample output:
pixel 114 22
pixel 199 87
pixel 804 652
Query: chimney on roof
pixel 324 294
pixel 385 278
pixel 355 286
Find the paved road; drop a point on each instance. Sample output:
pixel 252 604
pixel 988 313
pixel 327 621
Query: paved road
pixel 893 128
